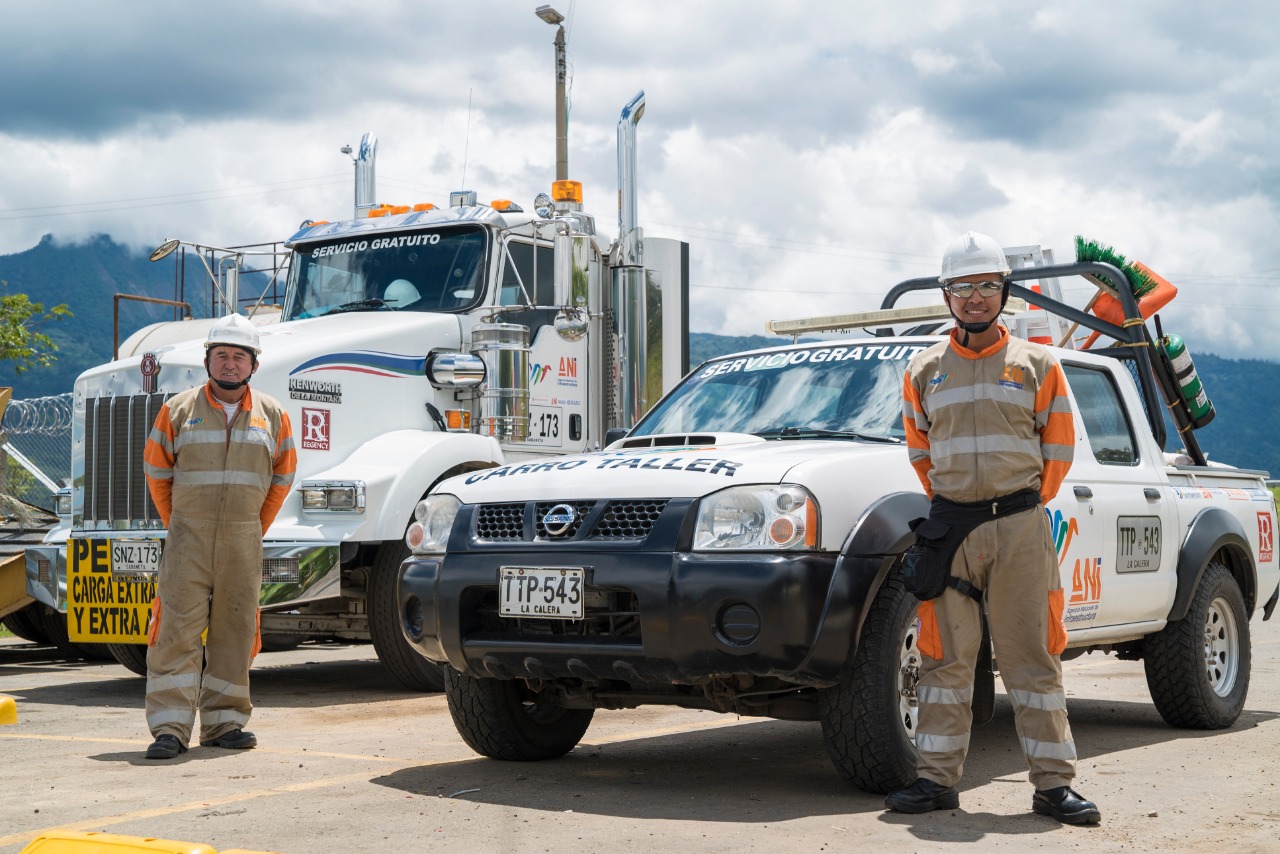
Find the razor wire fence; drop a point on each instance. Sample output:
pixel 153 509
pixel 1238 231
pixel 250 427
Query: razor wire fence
pixel 37 448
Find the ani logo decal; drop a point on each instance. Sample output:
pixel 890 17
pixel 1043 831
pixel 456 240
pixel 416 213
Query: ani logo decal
pixel 150 368
pixel 315 429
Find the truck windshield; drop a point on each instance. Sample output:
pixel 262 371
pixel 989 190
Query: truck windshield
pixel 805 392
pixel 437 270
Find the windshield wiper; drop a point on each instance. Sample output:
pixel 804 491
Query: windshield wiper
pixel 358 305
pixel 817 433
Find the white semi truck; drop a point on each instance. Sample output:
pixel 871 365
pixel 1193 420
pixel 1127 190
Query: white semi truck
pixel 413 344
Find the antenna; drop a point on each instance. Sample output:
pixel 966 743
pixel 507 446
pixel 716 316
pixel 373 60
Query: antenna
pixel 466 143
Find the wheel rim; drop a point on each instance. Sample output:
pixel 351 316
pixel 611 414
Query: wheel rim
pixel 1221 647
pixel 908 676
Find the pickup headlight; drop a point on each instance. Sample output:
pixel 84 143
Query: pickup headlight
pixel 337 496
pixel 757 518
pixel 432 522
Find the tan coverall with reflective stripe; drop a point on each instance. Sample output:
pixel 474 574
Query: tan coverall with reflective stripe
pixel 217 487
pixel 982 425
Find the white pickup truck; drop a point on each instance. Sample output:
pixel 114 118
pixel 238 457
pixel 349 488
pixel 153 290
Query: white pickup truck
pixel 738 550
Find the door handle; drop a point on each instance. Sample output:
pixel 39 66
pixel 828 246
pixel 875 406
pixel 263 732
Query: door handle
pixel 1082 491
pixel 1151 493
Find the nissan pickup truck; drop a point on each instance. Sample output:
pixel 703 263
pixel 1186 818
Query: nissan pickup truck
pixel 739 550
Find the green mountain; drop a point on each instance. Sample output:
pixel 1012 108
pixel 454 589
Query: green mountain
pixel 86 277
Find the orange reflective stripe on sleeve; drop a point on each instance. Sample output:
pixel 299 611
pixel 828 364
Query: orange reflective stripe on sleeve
pixel 1058 436
pixel 1057 640
pixel 929 641
pixel 158 462
pixel 917 439
pixel 153 630
pixel 257 638
pixel 284 466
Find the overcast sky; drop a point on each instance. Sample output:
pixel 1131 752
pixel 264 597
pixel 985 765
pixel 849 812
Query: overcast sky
pixel 812 154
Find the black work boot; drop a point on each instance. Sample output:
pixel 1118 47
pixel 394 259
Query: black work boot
pixel 236 739
pixel 165 747
pixel 923 795
pixel 1066 805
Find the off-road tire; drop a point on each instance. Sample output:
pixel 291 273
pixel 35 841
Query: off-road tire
pixel 868 733
pixel 1198 667
pixel 408 667
pixel 131 656
pixel 25 623
pixel 497 718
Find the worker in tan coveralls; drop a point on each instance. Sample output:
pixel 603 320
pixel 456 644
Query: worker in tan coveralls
pixel 219 462
pixel 988 421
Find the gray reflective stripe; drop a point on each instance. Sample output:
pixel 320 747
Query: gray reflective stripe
pixel 1032 700
pixel 930 743
pixel 281 479
pixel 1048 749
pixel 223 716
pixel 1064 453
pixel 986 444
pixel 982 391
pixel 168 683
pixel 254 438
pixel 199 437
pixel 944 696
pixel 170 716
pixel 218 478
pixel 915 455
pixel 222 686
pixel 286 444
pixel 157 472
pixel 161 438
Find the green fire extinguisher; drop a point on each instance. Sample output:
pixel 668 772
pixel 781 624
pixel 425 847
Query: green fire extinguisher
pixel 1193 393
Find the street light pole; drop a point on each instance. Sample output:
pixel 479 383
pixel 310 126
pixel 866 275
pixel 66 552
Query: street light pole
pixel 551 16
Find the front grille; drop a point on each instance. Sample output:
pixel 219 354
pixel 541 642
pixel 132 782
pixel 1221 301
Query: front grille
pixel 628 520
pixel 500 522
pixel 602 519
pixel 115 490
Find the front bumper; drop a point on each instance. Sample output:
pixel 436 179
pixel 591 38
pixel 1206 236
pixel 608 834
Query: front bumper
pixel 671 616
pixel 293 574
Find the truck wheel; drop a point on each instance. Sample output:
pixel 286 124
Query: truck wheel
pixel 133 656
pixel 1198 667
pixel 408 667
pixel 280 642
pixel 54 625
pixel 25 624
pixel 869 719
pixel 498 718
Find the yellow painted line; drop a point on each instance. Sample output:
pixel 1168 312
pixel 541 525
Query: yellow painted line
pixel 156 812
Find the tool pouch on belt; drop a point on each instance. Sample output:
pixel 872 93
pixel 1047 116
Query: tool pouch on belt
pixel 926 564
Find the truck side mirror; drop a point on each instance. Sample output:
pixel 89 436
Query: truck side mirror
pixel 572 270
pixel 613 434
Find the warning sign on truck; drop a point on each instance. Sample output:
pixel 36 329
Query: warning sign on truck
pixel 110 585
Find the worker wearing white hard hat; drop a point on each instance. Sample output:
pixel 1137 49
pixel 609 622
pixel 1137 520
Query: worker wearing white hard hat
pixel 989 431
pixel 219 462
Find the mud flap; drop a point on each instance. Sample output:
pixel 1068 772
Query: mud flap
pixel 984 679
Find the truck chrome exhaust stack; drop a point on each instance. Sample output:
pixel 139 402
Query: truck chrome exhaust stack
pixel 633 315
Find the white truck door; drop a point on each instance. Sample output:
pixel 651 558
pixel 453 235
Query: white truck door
pixel 1114 520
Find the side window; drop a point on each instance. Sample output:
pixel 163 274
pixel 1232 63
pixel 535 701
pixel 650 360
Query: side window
pixel 518 267
pixel 1104 416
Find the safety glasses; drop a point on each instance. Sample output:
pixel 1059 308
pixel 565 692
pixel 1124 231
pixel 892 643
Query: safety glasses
pixel 964 290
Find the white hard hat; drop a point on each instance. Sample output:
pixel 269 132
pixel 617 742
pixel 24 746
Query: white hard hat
pixel 234 330
pixel 972 253
pixel 401 293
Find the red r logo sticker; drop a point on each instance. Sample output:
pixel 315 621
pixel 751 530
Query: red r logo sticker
pixel 1266 537
pixel 315 429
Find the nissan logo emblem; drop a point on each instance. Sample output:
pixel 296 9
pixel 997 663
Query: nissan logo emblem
pixel 559 519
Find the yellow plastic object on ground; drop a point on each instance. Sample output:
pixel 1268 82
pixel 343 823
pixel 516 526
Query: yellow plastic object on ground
pixel 77 842
pixel 8 710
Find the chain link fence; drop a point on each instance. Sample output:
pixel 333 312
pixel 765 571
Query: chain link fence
pixel 36 435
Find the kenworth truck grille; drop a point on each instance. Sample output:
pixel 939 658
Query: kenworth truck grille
pixel 115 490
pixel 603 519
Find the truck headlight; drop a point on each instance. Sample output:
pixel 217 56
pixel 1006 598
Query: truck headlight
pixel 758 518
pixel 337 496
pixel 432 522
